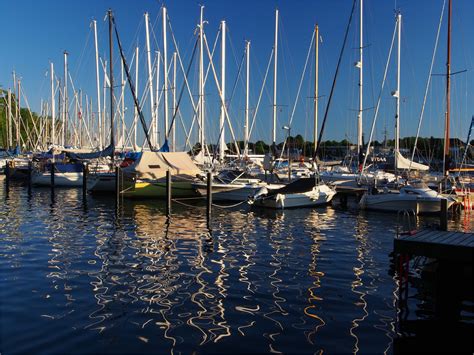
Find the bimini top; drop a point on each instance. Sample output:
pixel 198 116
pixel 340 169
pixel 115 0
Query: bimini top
pixel 153 165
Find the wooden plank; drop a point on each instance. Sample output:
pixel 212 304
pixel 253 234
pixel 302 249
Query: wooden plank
pixel 455 239
pixel 443 238
pixel 464 238
pixel 414 236
pixel 435 250
pixel 433 235
pixel 420 235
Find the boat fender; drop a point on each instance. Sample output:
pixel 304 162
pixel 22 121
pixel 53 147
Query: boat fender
pixel 280 198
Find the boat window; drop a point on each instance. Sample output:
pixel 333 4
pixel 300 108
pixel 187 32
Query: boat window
pixel 154 166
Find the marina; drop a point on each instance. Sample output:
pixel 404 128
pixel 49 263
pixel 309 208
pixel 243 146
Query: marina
pixel 242 178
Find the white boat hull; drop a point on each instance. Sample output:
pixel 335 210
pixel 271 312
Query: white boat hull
pixel 102 182
pixel 388 202
pixel 318 196
pixel 69 179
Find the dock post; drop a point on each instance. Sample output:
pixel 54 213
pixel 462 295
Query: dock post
pixel 209 197
pixel 53 168
pixel 117 186
pixel 85 172
pixel 7 176
pixel 168 193
pixel 30 170
pixel 443 218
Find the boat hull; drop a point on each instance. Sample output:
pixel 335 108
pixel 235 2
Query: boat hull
pixel 395 203
pixel 101 183
pixel 157 189
pixel 296 200
pixel 69 179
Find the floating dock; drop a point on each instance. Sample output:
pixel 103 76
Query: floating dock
pixel 436 244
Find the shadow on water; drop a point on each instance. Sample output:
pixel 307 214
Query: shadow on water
pixel 436 314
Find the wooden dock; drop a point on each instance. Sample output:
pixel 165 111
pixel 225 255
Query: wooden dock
pixel 443 245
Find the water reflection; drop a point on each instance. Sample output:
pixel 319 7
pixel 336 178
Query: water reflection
pixel 137 281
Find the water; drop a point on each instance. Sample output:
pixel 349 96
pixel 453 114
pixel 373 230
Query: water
pixel 80 278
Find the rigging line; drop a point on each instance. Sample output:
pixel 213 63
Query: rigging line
pixel 428 83
pixel 186 74
pixel 334 82
pixel 261 92
pixel 299 90
pixel 380 97
pixel 211 56
pixel 79 64
pixel 182 67
pixel 237 78
pixel 132 87
pixel 211 63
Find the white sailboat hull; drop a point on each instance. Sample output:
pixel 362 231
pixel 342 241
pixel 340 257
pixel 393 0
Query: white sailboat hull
pixel 68 179
pixel 101 182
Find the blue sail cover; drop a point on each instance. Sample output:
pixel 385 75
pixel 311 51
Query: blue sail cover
pixel 165 147
pixel 94 155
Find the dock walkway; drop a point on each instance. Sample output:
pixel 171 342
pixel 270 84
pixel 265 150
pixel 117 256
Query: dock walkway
pixel 444 245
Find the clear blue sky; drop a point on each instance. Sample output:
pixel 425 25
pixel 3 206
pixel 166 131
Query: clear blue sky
pixel 36 32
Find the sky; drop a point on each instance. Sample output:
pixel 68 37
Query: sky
pixel 37 32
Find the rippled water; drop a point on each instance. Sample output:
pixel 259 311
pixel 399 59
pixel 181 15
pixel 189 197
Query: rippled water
pixel 80 278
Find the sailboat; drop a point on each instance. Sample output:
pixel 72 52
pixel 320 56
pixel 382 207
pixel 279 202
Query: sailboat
pixel 417 197
pixel 306 191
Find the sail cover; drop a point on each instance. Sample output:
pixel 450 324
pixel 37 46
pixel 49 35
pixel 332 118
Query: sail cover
pixel 93 155
pixel 153 165
pixel 403 163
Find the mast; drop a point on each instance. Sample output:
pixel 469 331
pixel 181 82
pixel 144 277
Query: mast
pixel 18 111
pixel 135 119
pixel 173 130
pixel 316 89
pixel 361 73
pixel 111 81
pixel 246 124
pixel 157 96
pixel 446 158
pixel 150 80
pixel 165 73
pixel 53 107
pixel 397 92
pixel 10 131
pixel 99 115
pixel 122 101
pixel 275 65
pixel 65 102
pixel 222 116
pixel 201 82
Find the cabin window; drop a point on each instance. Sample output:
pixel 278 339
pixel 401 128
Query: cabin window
pixel 154 166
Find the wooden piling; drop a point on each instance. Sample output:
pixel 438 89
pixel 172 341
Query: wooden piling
pixel 209 197
pixel 30 171
pixel 168 193
pixel 7 176
pixel 443 216
pixel 117 186
pixel 85 173
pixel 53 168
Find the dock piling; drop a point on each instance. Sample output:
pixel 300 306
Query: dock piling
pixel 85 173
pixel 53 169
pixel 117 186
pixel 443 217
pixel 209 197
pixel 7 176
pixel 30 171
pixel 168 193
